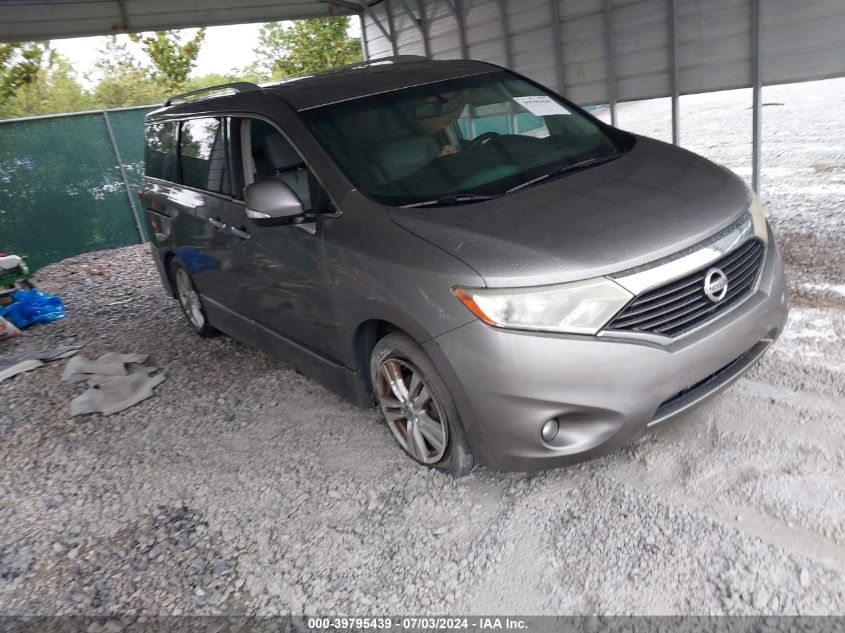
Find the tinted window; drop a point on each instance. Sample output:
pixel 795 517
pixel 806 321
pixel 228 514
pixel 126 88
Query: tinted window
pixel 160 151
pixel 202 154
pixel 483 134
pixel 272 156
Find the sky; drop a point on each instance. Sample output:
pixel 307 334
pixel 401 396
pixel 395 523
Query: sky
pixel 225 48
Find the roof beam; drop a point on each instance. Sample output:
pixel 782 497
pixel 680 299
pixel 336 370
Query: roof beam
pixel 371 14
pixel 673 70
pixel 420 23
pixel 757 96
pixel 610 60
pixel 349 5
pixel 457 9
pixel 557 42
pixel 394 36
pixel 124 16
pixel 506 36
pixel 365 50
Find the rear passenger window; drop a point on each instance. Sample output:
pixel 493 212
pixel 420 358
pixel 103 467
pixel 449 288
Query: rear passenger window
pixel 202 155
pixel 160 151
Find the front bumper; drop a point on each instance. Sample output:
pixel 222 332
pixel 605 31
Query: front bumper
pixel 603 391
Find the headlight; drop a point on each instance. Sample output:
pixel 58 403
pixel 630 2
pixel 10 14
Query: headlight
pixel 757 216
pixel 581 307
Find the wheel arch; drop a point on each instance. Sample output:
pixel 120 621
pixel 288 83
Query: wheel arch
pixel 367 334
pixel 167 261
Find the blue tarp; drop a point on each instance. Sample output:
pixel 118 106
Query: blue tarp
pixel 30 307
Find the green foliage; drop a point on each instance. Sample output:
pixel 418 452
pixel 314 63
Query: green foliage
pixel 305 47
pixel 125 82
pixel 126 90
pixel 55 88
pixel 172 60
pixel 19 66
pixel 251 72
pixel 35 80
pixel 212 79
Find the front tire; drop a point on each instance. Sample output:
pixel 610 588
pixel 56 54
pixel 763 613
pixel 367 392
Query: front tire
pixel 189 300
pixel 417 406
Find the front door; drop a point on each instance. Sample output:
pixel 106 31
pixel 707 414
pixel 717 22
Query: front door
pixel 286 290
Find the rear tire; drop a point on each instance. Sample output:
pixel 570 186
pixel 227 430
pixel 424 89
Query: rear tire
pixel 189 300
pixel 417 406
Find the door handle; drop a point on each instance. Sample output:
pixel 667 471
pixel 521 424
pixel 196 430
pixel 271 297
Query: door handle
pixel 218 224
pixel 239 232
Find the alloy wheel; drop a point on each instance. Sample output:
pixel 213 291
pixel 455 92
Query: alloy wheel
pixel 189 298
pixel 412 413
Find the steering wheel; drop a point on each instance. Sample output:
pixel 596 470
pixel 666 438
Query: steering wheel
pixel 481 139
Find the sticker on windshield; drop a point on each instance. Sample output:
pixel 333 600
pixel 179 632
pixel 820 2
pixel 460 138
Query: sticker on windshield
pixel 541 105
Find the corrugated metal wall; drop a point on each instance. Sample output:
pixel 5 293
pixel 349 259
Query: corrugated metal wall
pixel 800 40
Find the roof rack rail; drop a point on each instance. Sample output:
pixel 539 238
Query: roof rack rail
pixel 236 86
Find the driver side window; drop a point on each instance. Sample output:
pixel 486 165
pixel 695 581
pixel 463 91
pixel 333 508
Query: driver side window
pixel 267 154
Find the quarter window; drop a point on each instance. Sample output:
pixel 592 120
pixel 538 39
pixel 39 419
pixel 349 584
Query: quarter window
pixel 202 155
pixel 160 151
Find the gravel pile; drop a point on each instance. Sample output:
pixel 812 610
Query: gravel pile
pixel 244 487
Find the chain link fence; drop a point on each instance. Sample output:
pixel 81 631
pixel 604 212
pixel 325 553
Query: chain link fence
pixel 68 183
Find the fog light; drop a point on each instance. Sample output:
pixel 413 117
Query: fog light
pixel 549 430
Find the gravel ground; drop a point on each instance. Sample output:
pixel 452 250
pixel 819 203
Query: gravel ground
pixel 243 486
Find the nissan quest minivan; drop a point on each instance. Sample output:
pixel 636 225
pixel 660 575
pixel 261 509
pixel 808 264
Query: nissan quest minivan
pixel 511 281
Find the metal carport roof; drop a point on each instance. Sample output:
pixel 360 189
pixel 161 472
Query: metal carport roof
pixel 24 20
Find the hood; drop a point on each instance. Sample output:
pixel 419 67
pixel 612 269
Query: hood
pixel 655 200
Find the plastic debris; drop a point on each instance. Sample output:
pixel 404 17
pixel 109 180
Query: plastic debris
pixel 10 262
pixel 7 330
pixel 15 364
pixel 31 306
pixel 19 368
pixel 80 368
pixel 55 353
pixel 115 382
pixel 111 394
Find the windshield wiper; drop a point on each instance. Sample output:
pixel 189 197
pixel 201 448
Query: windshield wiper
pixel 564 169
pixel 461 198
pixel 452 198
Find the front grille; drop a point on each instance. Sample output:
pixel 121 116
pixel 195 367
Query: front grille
pixel 681 305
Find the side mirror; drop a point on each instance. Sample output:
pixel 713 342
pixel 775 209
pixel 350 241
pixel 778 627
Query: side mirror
pixel 272 203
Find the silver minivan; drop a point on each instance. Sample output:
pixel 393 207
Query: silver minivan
pixel 511 281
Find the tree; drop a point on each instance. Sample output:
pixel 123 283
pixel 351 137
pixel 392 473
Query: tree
pixel 19 66
pixel 124 80
pixel 305 47
pixel 172 60
pixel 211 79
pixel 54 89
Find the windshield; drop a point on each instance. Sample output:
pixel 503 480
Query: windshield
pixel 442 142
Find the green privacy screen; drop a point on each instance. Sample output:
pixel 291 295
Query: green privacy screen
pixel 61 188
